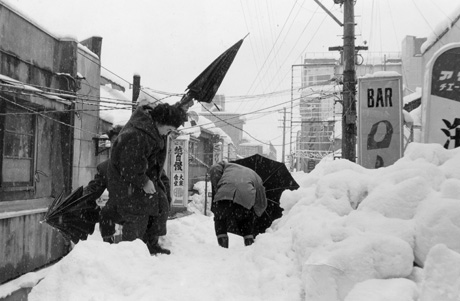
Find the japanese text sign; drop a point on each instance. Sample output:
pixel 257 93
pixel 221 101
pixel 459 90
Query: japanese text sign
pixel 179 173
pixel 441 98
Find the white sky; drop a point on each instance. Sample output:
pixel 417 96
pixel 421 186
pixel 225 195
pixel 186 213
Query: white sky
pixel 168 43
pixel 321 249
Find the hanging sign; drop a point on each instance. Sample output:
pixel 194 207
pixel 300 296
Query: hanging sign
pixel 380 120
pixel 179 173
pixel 217 152
pixel 441 98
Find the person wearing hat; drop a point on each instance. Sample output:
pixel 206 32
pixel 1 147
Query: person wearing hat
pixel 137 184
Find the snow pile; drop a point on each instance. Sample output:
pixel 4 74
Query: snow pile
pixel 347 234
pixel 378 221
pixel 442 280
pixel 201 199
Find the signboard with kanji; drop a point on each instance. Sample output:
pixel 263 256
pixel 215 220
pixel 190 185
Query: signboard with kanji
pixel 179 173
pixel 217 152
pixel 380 120
pixel 441 98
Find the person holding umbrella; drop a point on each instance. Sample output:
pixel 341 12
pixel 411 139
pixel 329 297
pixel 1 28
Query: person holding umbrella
pixel 137 184
pixel 238 195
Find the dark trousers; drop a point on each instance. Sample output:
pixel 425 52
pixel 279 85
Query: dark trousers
pixel 145 227
pixel 232 217
pixel 107 220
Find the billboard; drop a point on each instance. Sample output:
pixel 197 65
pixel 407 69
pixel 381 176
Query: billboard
pixel 380 120
pixel 179 173
pixel 441 98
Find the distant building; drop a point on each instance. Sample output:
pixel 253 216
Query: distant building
pixel 417 52
pixel 217 104
pixel 320 108
pixel 247 149
pixel 230 123
pixel 250 148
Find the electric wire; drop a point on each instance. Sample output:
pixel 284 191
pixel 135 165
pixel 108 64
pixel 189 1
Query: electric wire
pixel 273 47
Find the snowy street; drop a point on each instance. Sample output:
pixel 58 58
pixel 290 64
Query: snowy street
pixel 347 233
pixel 197 269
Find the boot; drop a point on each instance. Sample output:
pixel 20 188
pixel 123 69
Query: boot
pixel 248 240
pixel 223 241
pixel 155 248
pixel 109 239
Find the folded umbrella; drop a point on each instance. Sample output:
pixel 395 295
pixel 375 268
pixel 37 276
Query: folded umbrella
pixel 205 86
pixel 74 216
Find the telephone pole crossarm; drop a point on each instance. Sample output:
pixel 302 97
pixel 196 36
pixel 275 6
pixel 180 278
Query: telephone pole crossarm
pixel 329 13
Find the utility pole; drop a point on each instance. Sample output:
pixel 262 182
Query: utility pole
pixel 284 134
pixel 136 89
pixel 349 83
pixel 349 52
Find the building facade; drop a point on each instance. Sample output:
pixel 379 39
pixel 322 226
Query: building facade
pixel 319 92
pixel 46 131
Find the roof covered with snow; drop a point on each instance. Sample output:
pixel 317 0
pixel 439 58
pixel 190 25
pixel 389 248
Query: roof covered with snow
pixel 441 29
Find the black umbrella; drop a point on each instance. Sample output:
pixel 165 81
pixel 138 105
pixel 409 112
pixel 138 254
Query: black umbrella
pixel 205 86
pixel 276 179
pixel 74 216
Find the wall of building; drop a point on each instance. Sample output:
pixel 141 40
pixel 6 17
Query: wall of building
pixel 249 149
pixel 412 63
pixel 27 245
pixel 33 56
pixel 85 162
pixel 230 123
pixel 451 35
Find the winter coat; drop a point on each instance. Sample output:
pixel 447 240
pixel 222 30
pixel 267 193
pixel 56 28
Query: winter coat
pixel 231 181
pixel 138 154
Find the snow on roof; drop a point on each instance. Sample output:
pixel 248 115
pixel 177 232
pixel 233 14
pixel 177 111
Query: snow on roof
pixel 382 74
pixel 16 10
pixel 115 106
pixel 66 37
pixel 87 50
pixel 205 123
pixel 112 77
pixel 441 29
pixel 411 97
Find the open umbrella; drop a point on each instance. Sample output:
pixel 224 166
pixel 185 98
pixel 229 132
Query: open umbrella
pixel 204 87
pixel 74 216
pixel 276 179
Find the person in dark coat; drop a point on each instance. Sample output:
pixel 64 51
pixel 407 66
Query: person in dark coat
pixel 138 186
pixel 238 196
pixel 106 218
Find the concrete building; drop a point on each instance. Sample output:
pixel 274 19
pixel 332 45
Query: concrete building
pixel 319 97
pixel 230 123
pixel 47 122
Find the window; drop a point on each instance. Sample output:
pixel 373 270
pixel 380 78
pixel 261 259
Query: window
pixel 17 137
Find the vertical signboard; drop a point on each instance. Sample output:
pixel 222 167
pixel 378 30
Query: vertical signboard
pixel 441 98
pixel 380 120
pixel 217 152
pixel 179 173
